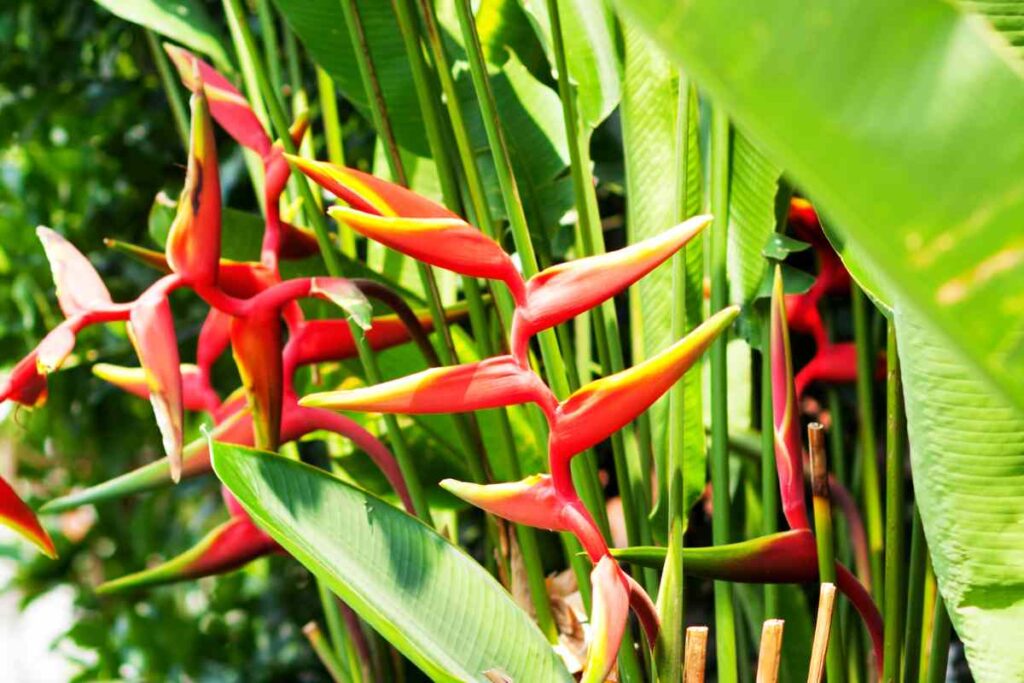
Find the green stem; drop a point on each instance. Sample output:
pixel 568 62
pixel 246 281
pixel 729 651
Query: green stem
pixel 769 474
pixel 625 455
pixel 866 433
pixel 724 616
pixel 894 601
pixel 171 88
pixel 915 600
pixel 236 18
pixel 584 466
pixel 324 653
pixel 335 146
pixel 938 658
pixel 823 536
pixel 336 631
pixel 271 52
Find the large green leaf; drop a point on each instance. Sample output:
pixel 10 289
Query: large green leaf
pixel 753 184
pixel 650 103
pixel 967 451
pixel 183 21
pixel 906 129
pixel 589 51
pixel 433 602
pixel 321 26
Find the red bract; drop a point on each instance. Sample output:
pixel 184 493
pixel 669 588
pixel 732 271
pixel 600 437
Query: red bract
pixel 789 460
pixel 421 229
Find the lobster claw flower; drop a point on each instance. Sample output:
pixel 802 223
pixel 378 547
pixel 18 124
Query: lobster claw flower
pixel 79 287
pixel 16 515
pixel 491 383
pixel 230 546
pixel 193 243
pixel 444 241
pixel 151 329
pixel 564 291
pixel 602 407
pixel 609 614
pixel 227 105
pixel 788 446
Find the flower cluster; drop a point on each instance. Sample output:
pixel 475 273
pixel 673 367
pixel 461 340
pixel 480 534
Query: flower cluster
pixel 248 302
pixel 419 228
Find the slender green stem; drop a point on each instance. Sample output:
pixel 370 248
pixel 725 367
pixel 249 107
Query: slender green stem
pixel 171 87
pixel 324 652
pixel 894 601
pixel 333 138
pixel 915 600
pixel 271 52
pixel 336 629
pixel 627 472
pixel 866 432
pixel 671 593
pixel 236 18
pixel 938 658
pixel 724 616
pixel 823 536
pixel 584 467
pixel 769 474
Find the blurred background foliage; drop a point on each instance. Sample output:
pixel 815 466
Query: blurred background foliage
pixel 86 142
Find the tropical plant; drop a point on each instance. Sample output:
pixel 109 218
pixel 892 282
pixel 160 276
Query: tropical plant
pixel 483 163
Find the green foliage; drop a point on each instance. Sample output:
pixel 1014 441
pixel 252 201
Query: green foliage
pixel 427 597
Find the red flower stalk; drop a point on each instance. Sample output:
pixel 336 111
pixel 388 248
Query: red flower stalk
pixel 421 229
pixel 789 460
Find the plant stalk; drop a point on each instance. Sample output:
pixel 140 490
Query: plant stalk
pixel 171 88
pixel 324 653
pixel 724 615
pixel 938 658
pixel 893 596
pixel 915 600
pixel 769 474
pixel 866 434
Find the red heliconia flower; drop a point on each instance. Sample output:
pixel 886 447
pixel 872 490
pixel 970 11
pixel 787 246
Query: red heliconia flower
pixel 414 226
pixel 16 515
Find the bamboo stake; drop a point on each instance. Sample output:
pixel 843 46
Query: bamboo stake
pixel 696 654
pixel 771 651
pixel 822 629
pixel 823 534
